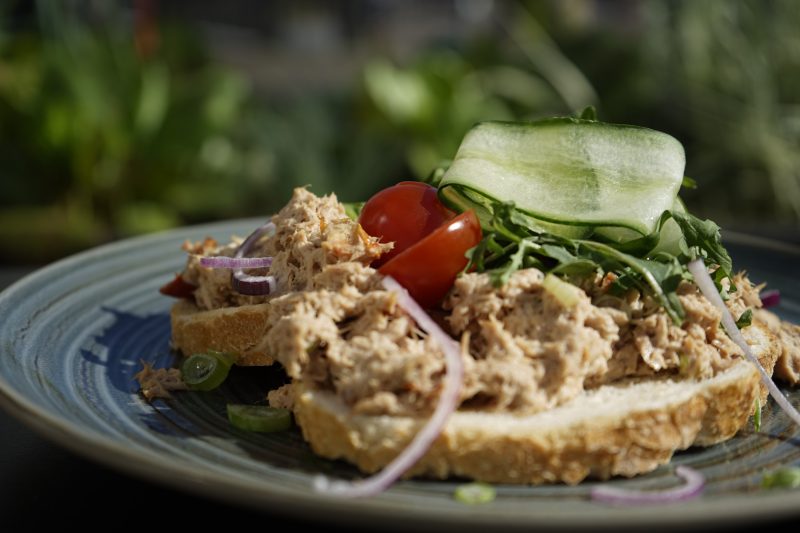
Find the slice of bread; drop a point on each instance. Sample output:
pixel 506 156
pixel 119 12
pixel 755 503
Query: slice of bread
pixel 624 428
pixel 234 330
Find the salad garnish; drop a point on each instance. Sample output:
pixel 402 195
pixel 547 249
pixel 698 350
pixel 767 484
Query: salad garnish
pixel 770 298
pixel 693 486
pixel 475 493
pixel 206 371
pixel 235 262
pixel 259 418
pixel 784 478
pixel 245 283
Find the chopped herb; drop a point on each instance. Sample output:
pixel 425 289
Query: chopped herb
pixel 784 478
pixel 745 319
pixel 474 493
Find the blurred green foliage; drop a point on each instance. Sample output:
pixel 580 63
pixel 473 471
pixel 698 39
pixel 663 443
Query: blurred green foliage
pixel 99 139
pixel 724 78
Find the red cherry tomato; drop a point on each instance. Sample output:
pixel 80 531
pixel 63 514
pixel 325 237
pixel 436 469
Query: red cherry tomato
pixel 178 288
pixel 403 214
pixel 428 268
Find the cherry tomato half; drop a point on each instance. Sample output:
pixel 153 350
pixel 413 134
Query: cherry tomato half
pixel 428 268
pixel 178 288
pixel 403 214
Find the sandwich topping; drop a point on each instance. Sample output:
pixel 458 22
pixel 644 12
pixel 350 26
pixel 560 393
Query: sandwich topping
pixel 333 326
pixel 310 234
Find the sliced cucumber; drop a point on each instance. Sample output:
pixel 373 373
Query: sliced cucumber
pixel 462 198
pixel 571 172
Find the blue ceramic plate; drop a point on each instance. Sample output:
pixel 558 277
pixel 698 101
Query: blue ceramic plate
pixel 75 333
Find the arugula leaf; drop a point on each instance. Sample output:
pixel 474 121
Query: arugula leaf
pixel 435 177
pixel 514 240
pixel 704 240
pixel 653 277
pixel 499 276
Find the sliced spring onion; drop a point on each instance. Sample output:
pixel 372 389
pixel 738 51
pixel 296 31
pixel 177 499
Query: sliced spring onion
pixel 474 493
pixel 770 298
pixel 709 290
pixel 260 418
pixel 693 486
pixel 572 172
pixel 235 262
pixel 448 402
pixel 206 371
pixel 245 283
pixel 785 478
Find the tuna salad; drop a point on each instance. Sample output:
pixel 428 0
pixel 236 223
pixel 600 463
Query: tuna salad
pixel 524 349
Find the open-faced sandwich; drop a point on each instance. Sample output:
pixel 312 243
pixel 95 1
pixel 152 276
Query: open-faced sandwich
pixel 569 328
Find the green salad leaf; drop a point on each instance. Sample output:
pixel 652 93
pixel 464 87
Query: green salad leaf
pixel 512 241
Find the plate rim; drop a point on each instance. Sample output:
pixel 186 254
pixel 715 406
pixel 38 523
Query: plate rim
pixel 184 475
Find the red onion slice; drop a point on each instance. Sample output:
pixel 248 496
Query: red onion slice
pixel 770 298
pixel 617 496
pixel 709 290
pixel 245 283
pixel 222 261
pixel 448 403
pixel 253 285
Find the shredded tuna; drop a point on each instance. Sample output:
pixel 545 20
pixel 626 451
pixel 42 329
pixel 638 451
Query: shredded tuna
pixel 312 233
pixel 332 326
pixel 282 397
pixel 787 368
pixel 531 352
pixel 158 382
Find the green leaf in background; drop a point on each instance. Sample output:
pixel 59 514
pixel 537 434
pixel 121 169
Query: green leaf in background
pixel 90 125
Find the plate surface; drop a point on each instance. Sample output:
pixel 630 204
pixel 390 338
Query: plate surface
pixel 75 333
